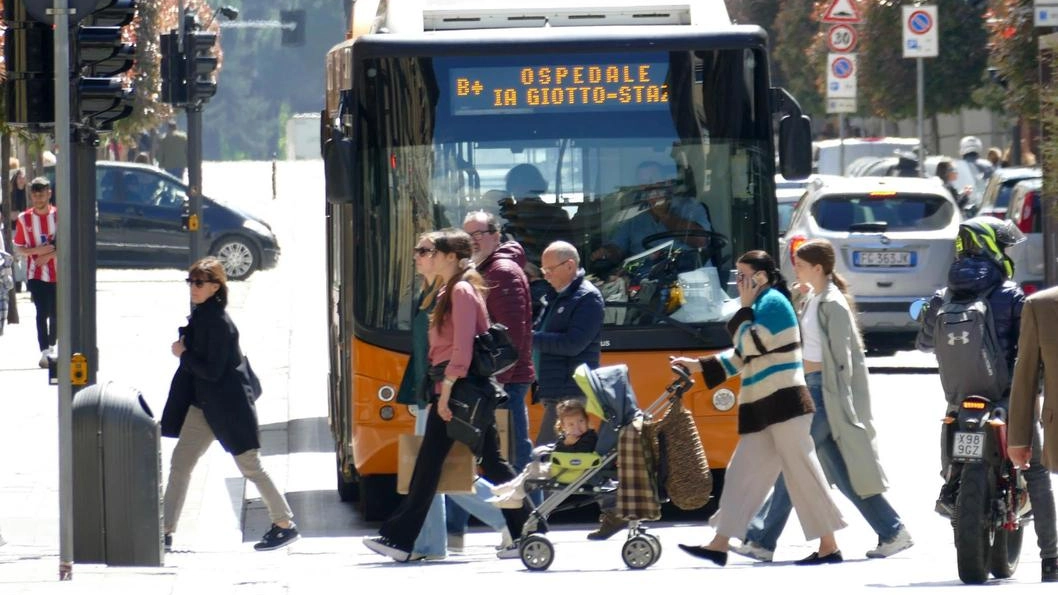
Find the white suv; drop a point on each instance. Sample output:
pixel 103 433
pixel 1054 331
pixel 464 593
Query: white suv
pixel 894 238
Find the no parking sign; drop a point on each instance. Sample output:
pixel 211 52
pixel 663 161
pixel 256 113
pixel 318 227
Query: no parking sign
pixel 920 32
pixel 841 76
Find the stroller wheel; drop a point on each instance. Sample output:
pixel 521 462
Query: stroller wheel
pixel 656 543
pixel 639 552
pixel 537 552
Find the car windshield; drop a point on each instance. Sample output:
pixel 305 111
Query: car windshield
pixel 898 212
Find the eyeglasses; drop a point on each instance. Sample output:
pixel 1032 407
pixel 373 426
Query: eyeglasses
pixel 549 270
pixel 420 251
pixel 198 282
pixel 481 232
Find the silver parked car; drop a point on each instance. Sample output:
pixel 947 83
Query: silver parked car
pixel 894 238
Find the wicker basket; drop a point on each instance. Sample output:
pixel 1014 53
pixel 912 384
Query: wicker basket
pixel 689 481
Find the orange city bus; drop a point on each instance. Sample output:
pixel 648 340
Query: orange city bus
pixel 424 120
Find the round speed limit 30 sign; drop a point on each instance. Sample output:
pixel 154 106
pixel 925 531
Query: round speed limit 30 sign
pixel 841 38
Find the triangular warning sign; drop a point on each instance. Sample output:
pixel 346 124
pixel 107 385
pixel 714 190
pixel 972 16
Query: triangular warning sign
pixel 842 11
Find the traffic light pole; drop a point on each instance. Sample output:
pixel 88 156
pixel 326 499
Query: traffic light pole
pixel 65 286
pixel 194 180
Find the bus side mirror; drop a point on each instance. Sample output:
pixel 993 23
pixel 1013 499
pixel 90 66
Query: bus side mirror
pixel 795 147
pixel 339 168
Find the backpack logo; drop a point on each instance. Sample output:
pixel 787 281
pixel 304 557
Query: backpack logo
pixel 963 338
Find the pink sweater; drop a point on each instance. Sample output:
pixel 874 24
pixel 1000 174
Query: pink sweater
pixel 454 341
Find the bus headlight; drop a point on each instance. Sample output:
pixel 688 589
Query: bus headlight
pixel 386 412
pixel 723 399
pixel 386 393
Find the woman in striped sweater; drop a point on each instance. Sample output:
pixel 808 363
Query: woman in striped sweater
pixel 774 417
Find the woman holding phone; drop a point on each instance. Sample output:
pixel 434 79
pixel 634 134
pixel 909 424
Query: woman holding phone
pixel 774 417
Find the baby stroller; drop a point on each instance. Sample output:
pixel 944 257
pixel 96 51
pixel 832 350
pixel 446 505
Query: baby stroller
pixel 611 398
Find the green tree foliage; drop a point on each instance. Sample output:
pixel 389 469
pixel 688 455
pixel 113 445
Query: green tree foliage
pixel 260 76
pixel 1013 40
pixel 797 55
pixel 886 80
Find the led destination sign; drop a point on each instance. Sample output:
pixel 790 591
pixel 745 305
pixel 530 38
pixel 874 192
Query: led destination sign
pixel 559 88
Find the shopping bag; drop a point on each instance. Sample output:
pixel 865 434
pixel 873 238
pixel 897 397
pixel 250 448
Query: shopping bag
pixel 689 480
pixel 457 474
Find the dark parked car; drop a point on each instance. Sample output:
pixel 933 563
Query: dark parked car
pixel 140 223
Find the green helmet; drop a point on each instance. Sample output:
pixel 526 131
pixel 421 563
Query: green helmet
pixel 989 237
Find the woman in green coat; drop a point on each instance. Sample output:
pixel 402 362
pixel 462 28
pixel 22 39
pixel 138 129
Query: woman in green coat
pixel 842 428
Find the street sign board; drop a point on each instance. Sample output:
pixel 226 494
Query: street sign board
pixel 1045 13
pixel 841 105
pixel 841 76
pixel 841 38
pixel 842 11
pixel 920 32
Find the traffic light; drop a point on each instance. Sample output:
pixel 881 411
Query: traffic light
pixel 28 52
pixel 173 69
pixel 200 62
pixel 293 22
pixel 100 92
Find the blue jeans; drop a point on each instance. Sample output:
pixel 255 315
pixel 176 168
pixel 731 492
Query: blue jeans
pixel 519 416
pixel 770 520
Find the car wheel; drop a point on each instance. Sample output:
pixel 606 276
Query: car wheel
pixel 238 255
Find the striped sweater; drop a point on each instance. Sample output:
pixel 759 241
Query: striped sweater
pixel 767 354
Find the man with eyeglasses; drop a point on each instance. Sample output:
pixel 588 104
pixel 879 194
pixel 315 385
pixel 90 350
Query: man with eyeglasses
pixel 568 335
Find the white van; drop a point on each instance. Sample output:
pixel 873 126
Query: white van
pixel 828 156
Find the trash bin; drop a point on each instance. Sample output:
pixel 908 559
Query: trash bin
pixel 117 466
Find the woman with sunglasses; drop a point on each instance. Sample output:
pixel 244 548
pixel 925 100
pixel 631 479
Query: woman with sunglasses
pixel 774 417
pixel 458 316
pixel 211 397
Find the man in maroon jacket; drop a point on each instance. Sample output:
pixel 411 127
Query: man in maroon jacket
pixel 509 303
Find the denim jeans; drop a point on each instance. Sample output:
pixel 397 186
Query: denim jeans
pixel 432 539
pixel 519 426
pixel 770 520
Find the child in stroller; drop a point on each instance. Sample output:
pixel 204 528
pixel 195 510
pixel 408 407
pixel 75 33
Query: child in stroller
pixel 574 437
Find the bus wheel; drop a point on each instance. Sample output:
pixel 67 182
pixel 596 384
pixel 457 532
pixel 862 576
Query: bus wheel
pixel 378 496
pixel 348 490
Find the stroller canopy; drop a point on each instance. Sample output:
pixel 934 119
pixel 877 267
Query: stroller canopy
pixel 610 396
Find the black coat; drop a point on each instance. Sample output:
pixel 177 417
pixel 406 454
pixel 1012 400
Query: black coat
pixel 207 377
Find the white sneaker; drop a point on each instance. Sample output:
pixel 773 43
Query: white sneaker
pixel 753 550
pixel 505 539
pixel 2 542
pixel 415 557
pixel 898 543
pixel 44 356
pixel 511 552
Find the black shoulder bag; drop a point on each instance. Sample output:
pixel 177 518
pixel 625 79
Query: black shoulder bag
pixel 494 353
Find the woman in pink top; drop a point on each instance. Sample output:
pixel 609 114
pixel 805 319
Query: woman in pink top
pixel 458 316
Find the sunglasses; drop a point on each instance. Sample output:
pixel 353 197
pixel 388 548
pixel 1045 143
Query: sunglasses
pixel 419 251
pixel 198 282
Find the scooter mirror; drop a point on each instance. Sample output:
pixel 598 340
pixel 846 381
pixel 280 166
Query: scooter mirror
pixel 916 308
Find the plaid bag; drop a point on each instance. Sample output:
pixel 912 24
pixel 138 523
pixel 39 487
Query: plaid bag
pixel 637 496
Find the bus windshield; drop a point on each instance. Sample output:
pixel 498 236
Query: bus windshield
pixel 658 166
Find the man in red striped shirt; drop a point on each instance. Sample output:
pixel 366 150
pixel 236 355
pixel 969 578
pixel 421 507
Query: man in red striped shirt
pixel 35 239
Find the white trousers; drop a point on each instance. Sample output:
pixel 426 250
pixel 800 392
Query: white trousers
pixel 758 459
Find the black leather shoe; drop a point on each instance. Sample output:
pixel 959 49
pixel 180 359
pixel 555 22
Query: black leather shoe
pixel 698 551
pixel 815 559
pixel 1050 570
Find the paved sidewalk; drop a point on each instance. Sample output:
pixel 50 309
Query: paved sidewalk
pixel 138 312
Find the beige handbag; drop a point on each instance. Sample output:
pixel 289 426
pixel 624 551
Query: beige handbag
pixel 690 481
